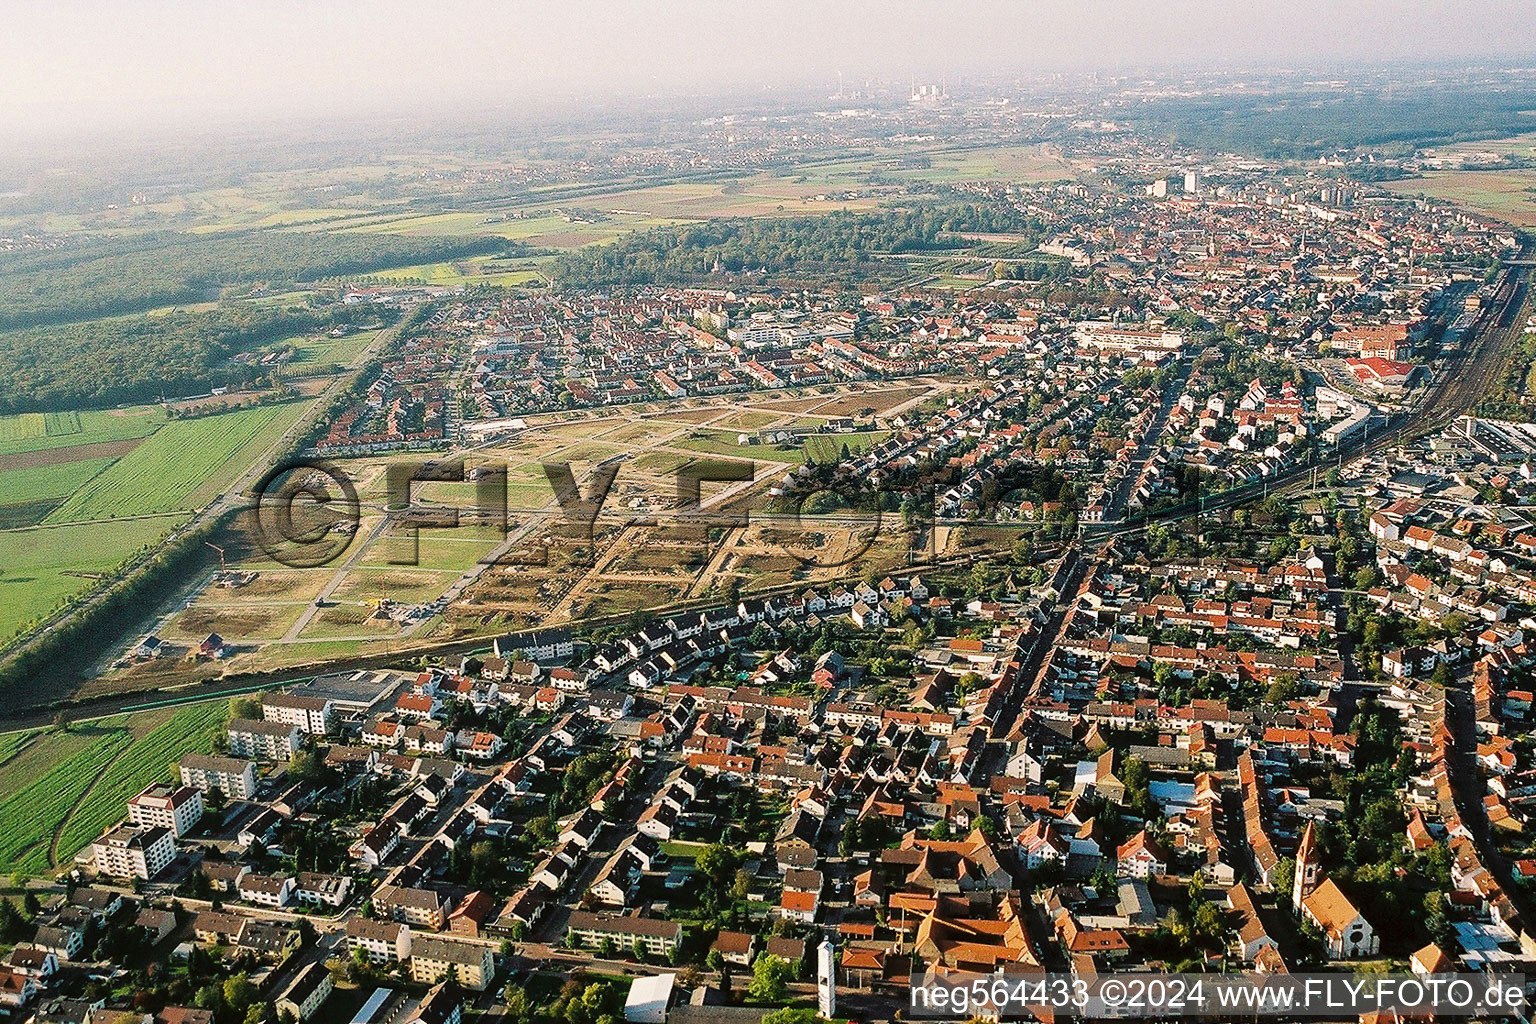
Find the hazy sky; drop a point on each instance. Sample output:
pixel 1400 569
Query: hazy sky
pixel 73 63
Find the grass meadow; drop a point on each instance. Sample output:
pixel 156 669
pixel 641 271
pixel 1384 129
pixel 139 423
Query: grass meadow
pixel 42 566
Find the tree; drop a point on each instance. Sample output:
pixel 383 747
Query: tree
pixel 239 992
pixel 517 1009
pixel 1284 688
pixel 770 979
pixel 358 966
pixel 209 997
pixel 793 1015
pixel 1209 926
pixel 12 924
pixel 306 764
pixel 1284 877
pixel 718 862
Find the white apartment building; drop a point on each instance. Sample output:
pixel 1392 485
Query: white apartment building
pixel 235 777
pixel 313 715
pixel 132 851
pixel 166 805
pixel 263 740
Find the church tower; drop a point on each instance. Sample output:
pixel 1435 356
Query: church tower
pixel 1308 867
pixel 826 979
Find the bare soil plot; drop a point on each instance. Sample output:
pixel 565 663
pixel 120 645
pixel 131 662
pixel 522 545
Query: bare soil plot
pixel 879 401
pixel 248 622
pixel 73 453
pixel 688 415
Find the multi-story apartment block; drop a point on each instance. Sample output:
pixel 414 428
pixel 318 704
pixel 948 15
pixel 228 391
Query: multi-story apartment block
pixel 382 941
pixel 167 805
pixel 134 851
pixel 313 715
pixel 263 740
pixel 655 936
pixel 235 777
pixel 434 958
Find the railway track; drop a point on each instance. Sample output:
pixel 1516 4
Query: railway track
pixel 1459 390
pixel 1462 386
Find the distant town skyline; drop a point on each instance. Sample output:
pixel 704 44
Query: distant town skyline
pixel 82 65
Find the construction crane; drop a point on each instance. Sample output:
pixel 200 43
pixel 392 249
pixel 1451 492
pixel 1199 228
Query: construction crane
pixel 222 567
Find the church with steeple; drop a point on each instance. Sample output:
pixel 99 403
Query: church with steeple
pixel 1318 900
pixel 1309 867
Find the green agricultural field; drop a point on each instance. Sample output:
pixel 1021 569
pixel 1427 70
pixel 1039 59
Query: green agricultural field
pixel 820 447
pixel 322 350
pixel 152 756
pixel 40 483
pixel 723 442
pixel 828 447
pixel 42 785
pixel 1509 195
pixel 542 227
pixel 11 743
pixel 62 789
pixel 306 650
pixel 23 426
pixel 182 465
pixel 443 551
pixel 527 497
pixel 475 270
pixel 35 431
pixel 42 566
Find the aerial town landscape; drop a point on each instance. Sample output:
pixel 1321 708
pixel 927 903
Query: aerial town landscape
pixel 738 558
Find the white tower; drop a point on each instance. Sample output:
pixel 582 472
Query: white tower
pixel 826 979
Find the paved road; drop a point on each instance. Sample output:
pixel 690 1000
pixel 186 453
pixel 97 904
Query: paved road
pixel 1452 396
pixel 1467 788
